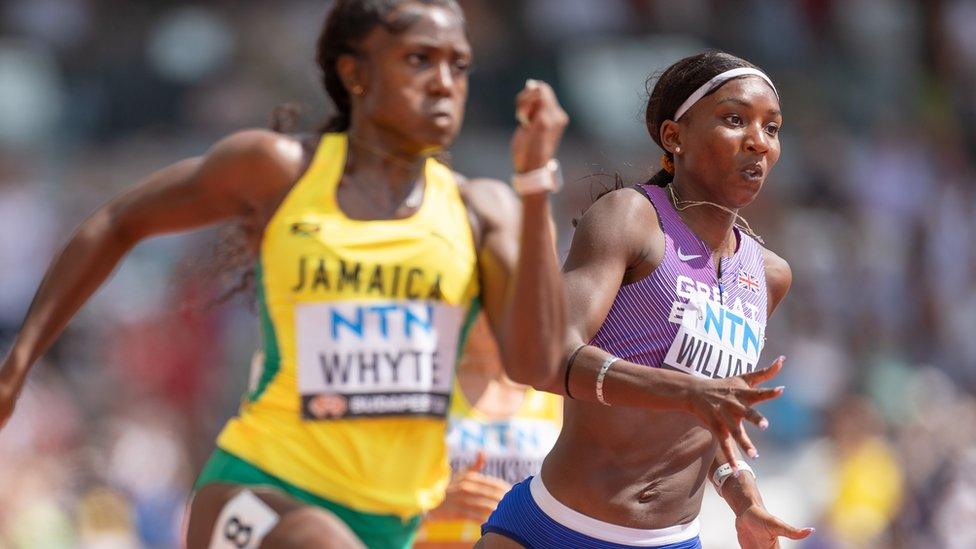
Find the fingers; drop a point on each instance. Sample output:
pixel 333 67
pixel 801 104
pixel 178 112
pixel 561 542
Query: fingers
pixel 756 418
pixel 755 396
pixel 766 374
pixel 484 485
pixel 479 463
pixel 537 103
pixel 728 450
pixel 465 506
pixel 780 528
pixel 476 509
pixel 526 100
pixel 477 496
pixel 739 433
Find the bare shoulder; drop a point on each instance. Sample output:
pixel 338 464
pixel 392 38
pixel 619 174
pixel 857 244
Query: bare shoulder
pixel 492 205
pixel 779 277
pixel 628 207
pixel 488 198
pixel 624 222
pixel 263 161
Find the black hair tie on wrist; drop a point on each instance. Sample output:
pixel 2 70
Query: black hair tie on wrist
pixel 569 366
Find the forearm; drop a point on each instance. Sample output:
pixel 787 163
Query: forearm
pixel 77 272
pixel 534 322
pixel 740 493
pixel 625 383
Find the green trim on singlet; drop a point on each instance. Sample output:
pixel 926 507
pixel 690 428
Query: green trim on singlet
pixel 376 531
pixel 473 311
pixel 272 355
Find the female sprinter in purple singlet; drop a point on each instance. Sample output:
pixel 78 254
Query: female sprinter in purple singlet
pixel 664 287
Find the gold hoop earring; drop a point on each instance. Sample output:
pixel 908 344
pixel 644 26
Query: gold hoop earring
pixel 677 150
pixel 358 90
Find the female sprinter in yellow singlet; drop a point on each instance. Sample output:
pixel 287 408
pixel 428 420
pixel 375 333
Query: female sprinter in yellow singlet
pixel 371 260
pixel 499 432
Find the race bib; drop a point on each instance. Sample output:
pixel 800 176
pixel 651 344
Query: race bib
pixel 514 448
pixel 393 358
pixel 715 341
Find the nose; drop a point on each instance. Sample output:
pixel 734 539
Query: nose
pixel 443 80
pixel 757 141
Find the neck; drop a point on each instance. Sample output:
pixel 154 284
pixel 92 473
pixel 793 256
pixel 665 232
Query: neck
pixel 710 222
pixel 375 155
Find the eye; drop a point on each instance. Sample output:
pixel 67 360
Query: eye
pixel 772 129
pixel 417 59
pixel 462 65
pixel 733 119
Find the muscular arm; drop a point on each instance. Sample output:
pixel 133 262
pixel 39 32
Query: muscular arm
pixel 235 176
pixel 522 289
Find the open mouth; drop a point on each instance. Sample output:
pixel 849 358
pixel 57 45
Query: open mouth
pixel 753 172
pixel 441 117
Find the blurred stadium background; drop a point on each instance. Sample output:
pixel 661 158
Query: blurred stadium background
pixel 873 203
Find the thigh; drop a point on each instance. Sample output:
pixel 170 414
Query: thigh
pixel 296 524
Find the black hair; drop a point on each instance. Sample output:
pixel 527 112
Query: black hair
pixel 347 24
pixel 673 87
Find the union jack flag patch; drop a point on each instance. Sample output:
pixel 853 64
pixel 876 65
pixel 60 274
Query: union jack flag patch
pixel 748 281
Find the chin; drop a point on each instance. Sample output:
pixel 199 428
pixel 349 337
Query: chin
pixel 744 193
pixel 435 136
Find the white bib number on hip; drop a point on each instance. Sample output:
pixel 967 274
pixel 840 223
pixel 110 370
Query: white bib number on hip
pixel 714 341
pixel 389 358
pixel 243 523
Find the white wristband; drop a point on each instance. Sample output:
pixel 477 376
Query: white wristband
pixel 724 471
pixel 545 179
pixel 600 377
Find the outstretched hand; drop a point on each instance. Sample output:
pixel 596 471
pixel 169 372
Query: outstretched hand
pixel 756 528
pixel 723 404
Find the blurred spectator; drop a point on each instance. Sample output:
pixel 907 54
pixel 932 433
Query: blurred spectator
pixel 868 479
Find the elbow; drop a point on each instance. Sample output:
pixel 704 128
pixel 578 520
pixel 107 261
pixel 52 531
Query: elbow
pixel 531 377
pixel 538 369
pixel 107 227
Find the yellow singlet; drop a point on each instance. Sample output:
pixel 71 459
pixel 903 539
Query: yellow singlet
pixel 362 322
pixel 514 449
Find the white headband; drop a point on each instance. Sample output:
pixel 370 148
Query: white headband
pixel 717 81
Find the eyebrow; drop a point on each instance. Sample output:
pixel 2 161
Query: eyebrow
pixel 432 44
pixel 775 112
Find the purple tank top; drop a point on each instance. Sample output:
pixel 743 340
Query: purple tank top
pixel 681 315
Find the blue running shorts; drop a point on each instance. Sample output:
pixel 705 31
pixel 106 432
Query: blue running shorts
pixel 530 515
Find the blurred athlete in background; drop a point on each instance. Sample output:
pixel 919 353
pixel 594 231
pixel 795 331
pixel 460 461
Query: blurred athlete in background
pixel 498 433
pixel 372 259
pixel 664 287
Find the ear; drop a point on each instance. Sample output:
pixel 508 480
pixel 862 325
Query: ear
pixel 351 73
pixel 670 135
